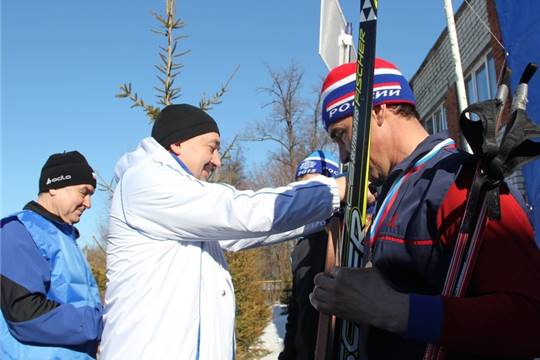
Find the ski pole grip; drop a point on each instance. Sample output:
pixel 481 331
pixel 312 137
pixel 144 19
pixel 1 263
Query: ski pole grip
pixel 502 90
pixel 520 97
pixel 528 73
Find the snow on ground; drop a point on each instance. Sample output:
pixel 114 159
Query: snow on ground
pixel 274 333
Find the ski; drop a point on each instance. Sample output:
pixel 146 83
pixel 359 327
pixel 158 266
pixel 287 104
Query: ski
pixel 350 337
pixel 494 163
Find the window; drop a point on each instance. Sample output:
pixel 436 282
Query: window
pixel 481 82
pixel 436 122
pixel 429 126
pixel 492 76
pixel 469 88
pixel 443 123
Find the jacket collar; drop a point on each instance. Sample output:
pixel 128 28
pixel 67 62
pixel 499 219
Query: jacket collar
pixel 147 150
pixel 181 163
pixel 423 148
pixel 57 220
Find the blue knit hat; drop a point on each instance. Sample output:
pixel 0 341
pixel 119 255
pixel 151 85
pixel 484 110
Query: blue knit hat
pixel 318 162
pixel 389 87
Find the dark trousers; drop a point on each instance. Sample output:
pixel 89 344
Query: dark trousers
pixel 307 260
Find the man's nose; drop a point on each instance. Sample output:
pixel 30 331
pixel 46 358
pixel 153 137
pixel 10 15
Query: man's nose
pixel 344 154
pixel 216 159
pixel 87 202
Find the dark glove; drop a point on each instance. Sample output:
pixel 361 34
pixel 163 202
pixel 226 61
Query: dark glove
pixel 361 296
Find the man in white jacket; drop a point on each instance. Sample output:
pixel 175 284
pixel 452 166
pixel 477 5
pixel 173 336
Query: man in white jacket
pixel 169 293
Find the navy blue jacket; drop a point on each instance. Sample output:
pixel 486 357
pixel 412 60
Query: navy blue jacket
pixel 413 244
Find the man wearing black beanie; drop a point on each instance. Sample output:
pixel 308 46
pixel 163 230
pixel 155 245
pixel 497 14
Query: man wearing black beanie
pixel 169 292
pixel 192 135
pixel 49 297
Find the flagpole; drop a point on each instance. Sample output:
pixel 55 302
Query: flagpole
pixel 458 69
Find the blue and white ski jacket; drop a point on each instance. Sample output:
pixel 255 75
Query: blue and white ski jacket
pixel 169 291
pixel 49 298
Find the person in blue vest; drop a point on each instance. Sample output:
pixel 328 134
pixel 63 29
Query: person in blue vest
pixel 49 298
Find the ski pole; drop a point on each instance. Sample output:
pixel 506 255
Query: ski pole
pixel 475 217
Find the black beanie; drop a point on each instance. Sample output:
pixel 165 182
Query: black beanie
pixel 179 122
pixel 66 169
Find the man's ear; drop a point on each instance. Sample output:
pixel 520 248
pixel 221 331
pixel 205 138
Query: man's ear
pixel 52 192
pixel 379 112
pixel 175 148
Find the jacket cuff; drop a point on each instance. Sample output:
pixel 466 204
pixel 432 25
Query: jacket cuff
pixel 332 184
pixel 425 318
pixel 336 202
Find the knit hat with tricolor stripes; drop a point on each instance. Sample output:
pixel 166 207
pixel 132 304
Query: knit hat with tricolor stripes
pixel 318 162
pixel 389 87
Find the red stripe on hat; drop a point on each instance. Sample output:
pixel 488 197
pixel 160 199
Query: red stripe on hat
pixel 341 98
pixel 381 63
pixel 339 73
pixel 394 83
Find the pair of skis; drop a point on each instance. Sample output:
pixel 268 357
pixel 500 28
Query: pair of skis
pixel 336 336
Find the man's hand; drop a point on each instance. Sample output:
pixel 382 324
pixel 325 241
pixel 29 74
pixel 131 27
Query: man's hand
pixel 361 296
pixel 342 186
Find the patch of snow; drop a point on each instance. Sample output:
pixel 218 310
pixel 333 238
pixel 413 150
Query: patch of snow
pixel 274 333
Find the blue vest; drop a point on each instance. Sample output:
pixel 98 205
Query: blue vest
pixel 71 282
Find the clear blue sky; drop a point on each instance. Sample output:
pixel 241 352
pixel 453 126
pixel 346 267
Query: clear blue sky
pixel 63 60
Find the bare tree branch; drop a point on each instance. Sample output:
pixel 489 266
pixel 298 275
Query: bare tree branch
pixel 103 185
pixel 98 243
pixel 126 92
pixel 207 103
pixel 287 112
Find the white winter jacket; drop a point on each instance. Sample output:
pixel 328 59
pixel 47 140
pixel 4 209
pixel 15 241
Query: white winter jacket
pixel 169 292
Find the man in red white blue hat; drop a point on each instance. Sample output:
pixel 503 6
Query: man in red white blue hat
pixel 390 88
pixel 424 183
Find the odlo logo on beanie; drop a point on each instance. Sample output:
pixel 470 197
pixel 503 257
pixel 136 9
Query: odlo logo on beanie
pixel 59 178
